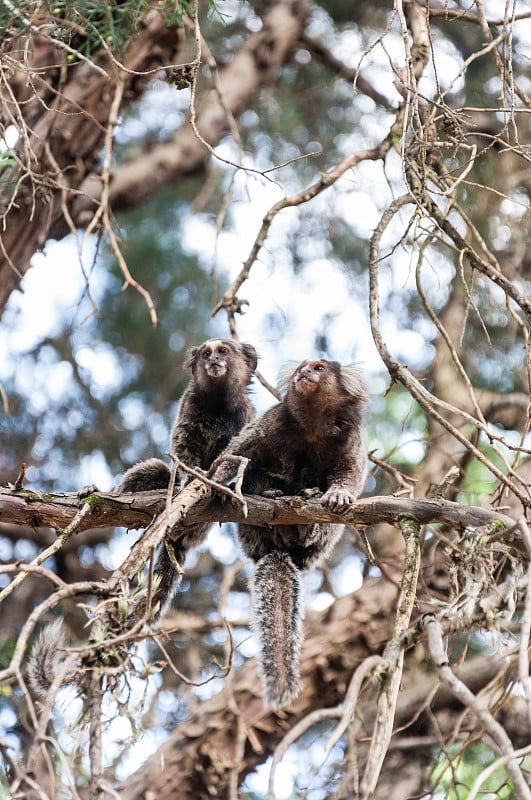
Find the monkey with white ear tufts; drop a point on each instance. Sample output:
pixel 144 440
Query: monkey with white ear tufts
pixel 214 407
pixel 310 442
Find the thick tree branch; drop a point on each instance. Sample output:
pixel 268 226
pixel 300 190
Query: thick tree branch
pixel 254 65
pixel 59 141
pixel 34 509
pixel 202 748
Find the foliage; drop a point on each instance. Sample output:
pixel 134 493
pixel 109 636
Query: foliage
pixel 456 774
pixel 112 23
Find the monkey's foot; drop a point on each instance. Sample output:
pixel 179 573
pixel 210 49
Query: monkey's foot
pixel 312 492
pixel 273 493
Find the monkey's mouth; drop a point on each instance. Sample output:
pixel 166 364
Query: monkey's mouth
pixel 306 382
pixel 216 370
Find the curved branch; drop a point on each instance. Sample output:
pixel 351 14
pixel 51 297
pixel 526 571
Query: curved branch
pixel 83 110
pixel 400 372
pixel 352 631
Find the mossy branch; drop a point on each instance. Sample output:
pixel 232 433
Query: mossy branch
pixel 38 509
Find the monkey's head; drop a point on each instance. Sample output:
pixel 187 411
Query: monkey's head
pixel 218 360
pixel 327 383
pixel 311 376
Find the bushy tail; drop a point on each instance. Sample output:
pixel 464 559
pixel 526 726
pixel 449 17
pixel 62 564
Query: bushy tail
pixel 145 476
pixel 46 658
pixel 278 610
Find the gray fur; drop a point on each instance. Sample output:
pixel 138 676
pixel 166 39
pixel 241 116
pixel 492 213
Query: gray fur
pixel 45 658
pixel 277 597
pixel 145 476
pixel 353 382
pixel 213 409
pixel 285 374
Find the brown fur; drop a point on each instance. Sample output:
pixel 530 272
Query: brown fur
pixel 213 408
pixel 309 443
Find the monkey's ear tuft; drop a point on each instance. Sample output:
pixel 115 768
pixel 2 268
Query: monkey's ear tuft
pixel 190 357
pixel 250 355
pixel 354 383
pixel 285 374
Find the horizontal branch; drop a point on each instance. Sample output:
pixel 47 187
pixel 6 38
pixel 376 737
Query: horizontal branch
pixel 35 509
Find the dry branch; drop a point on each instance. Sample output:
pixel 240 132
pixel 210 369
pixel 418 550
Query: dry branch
pixel 350 640
pixel 394 658
pixel 469 699
pixel 56 151
pixel 75 195
pixel 34 509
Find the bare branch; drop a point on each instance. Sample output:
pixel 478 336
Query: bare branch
pixel 394 658
pixel 137 510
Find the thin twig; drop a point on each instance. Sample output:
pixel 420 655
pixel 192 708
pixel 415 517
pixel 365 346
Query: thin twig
pixel 351 698
pixel 488 771
pixel 394 658
pixel 525 627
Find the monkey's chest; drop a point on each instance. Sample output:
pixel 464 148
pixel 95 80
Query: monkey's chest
pixel 213 436
pixel 291 470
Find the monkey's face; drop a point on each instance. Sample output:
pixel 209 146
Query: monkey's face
pixel 222 361
pixel 310 376
pixel 214 358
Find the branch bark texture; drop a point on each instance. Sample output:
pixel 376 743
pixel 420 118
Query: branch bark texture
pixel 137 510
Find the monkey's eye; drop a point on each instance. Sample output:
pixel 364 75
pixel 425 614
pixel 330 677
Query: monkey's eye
pixel 206 353
pixel 223 351
pixel 319 368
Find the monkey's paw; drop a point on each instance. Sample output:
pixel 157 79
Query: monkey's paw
pixel 337 499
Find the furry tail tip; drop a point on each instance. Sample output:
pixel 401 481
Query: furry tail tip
pixel 277 592
pixel 45 658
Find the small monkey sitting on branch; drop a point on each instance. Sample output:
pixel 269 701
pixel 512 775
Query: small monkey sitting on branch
pixel 214 408
pixel 309 444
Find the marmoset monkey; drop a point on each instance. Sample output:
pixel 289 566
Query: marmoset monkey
pixel 214 407
pixel 309 443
